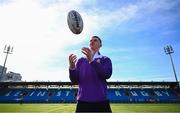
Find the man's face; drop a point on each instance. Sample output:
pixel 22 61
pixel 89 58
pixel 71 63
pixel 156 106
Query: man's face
pixel 94 44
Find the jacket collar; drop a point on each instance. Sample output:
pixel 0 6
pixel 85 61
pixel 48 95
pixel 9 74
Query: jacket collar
pixel 97 55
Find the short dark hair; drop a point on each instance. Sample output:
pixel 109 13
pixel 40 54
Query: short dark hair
pixel 98 39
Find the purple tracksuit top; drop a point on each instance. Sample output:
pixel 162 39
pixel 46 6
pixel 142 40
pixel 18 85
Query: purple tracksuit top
pixel 91 78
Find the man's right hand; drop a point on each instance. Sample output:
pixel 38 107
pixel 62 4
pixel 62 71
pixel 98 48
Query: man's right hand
pixel 72 61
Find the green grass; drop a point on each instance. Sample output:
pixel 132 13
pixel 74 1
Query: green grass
pixel 70 108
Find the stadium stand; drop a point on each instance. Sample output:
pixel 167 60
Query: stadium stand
pixel 65 92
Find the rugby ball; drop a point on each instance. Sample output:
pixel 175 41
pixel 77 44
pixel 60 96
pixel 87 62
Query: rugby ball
pixel 75 22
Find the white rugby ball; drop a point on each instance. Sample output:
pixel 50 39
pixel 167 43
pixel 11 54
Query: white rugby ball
pixel 75 22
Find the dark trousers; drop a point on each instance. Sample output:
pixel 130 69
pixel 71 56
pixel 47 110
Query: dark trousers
pixel 84 107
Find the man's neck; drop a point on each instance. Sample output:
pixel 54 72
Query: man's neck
pixel 94 51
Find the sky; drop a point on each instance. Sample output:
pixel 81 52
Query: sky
pixel 133 32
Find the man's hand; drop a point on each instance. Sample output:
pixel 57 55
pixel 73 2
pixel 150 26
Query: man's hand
pixel 72 61
pixel 86 51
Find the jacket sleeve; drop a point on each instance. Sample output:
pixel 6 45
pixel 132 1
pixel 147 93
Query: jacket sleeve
pixel 104 68
pixel 74 73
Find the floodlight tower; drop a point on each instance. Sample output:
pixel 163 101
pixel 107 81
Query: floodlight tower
pixel 169 50
pixel 7 50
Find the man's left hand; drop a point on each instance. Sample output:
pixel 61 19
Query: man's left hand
pixel 86 51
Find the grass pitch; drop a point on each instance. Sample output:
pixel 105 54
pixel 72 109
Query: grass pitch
pixel 70 108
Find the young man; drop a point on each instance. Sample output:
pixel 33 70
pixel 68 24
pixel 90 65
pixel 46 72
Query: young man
pixel 90 73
